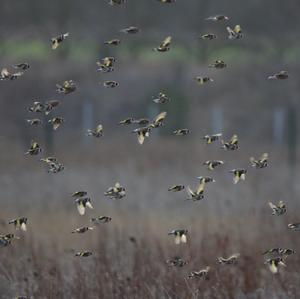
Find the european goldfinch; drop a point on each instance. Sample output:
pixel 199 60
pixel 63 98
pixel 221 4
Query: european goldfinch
pixel 262 162
pixel 232 144
pixel 208 36
pixel 162 98
pixel 218 64
pixel 282 75
pixel 217 18
pixel 278 209
pixel 116 192
pixel 82 203
pixel 176 262
pixel 165 45
pixel 66 87
pixel 274 264
pixel 200 274
pixel 56 122
pixel 98 132
pixel 211 165
pixel 58 39
pixel 82 230
pixel 229 260
pixel 235 33
pixel 130 30
pixel 238 174
pixel 203 80
pixel 34 149
pixel 20 223
pixel 176 188
pixel 181 132
pixel 101 219
pixel 142 134
pixel 212 138
pixel 180 235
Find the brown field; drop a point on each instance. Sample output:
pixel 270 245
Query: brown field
pixel 232 218
pixel 130 252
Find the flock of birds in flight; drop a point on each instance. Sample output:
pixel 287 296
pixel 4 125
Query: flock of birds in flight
pixel 275 257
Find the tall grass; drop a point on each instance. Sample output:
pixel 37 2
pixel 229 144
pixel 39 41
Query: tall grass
pixel 130 253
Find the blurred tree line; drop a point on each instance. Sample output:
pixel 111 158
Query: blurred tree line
pixel 238 93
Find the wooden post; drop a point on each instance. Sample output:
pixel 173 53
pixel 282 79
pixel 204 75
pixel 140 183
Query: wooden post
pixel 292 147
pixel 292 136
pixel 278 125
pixel 217 119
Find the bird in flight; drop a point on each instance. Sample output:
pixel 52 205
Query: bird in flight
pixel 181 132
pixel 211 165
pixel 6 75
pixel 167 1
pixel 101 219
pixel 116 192
pixel 282 75
pixel 110 84
pixel 232 144
pixel 180 235
pixel 262 162
pixel 229 260
pixel 82 230
pixel 82 203
pixel 34 149
pixel 113 42
pixel 176 188
pixel 162 98
pixel 130 30
pixel 78 194
pixel 97 132
pixel 238 174
pixel 116 2
pixel 57 40
pixel 217 18
pixel 274 263
pixel 19 223
pixel 142 134
pixel 208 36
pixel 235 33
pixel 106 64
pixel 56 122
pixel 5 240
pixel 218 64
pixel 165 45
pixel 34 121
pixel 200 274
pixel 278 209
pixel 83 253
pixel 202 80
pixel 176 261
pixel 294 226
pixel 66 87
pixel 212 138
pixel 198 194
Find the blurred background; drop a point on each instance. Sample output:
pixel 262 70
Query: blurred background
pixel 264 114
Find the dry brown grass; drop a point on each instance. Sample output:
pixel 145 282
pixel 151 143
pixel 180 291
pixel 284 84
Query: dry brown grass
pixel 231 219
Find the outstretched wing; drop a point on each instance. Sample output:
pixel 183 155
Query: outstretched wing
pixel 200 188
pixel 99 129
pixel 81 209
pixel 234 139
pixel 160 117
pixel 166 42
pixel 264 157
pixel 141 137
